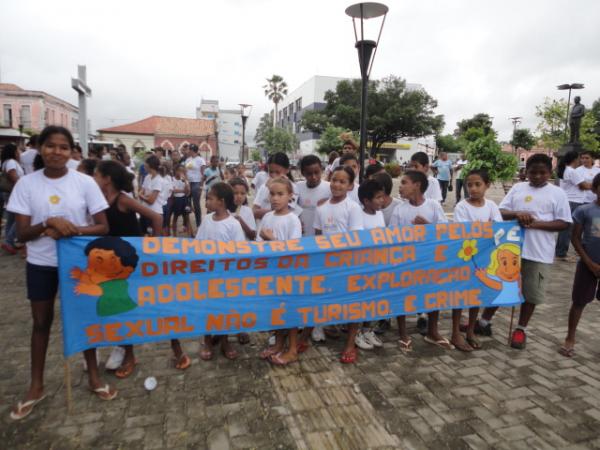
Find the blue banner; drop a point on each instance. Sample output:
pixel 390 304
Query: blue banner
pixel 117 291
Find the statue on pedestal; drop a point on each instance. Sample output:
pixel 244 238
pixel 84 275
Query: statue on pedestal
pixel 575 120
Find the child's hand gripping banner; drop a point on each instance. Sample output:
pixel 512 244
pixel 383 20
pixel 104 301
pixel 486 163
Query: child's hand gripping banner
pixel 117 291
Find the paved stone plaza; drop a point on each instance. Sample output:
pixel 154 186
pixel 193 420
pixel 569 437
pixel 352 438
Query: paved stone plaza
pixel 493 398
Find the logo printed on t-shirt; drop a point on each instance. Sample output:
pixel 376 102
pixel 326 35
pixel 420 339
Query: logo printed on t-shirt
pixel 528 198
pixel 54 199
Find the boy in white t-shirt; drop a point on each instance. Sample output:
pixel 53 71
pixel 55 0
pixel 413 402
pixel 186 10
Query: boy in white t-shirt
pixel 418 210
pixel 389 202
pixel 420 161
pixel 312 192
pixel 350 160
pixel 542 209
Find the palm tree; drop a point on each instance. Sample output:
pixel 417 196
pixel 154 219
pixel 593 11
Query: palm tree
pixel 275 90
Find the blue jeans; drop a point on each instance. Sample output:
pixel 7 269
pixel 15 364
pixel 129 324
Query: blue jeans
pixel 564 237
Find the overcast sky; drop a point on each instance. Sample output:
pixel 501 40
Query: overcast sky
pixel 161 57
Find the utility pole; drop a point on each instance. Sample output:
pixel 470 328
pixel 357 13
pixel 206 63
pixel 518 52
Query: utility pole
pixel 83 91
pixel 516 121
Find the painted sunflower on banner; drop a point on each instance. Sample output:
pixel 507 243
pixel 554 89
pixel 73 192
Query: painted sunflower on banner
pixel 468 250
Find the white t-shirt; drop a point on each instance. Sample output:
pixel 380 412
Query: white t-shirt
pixel 308 200
pixel 389 210
pixel 259 179
pixel 154 184
pixel 570 184
pixel 283 227
pixel 335 163
pixel 371 221
pixel 588 176
pixel 167 189
pixel 338 217
pixel 225 230
pixel 465 212
pixel 263 200
pixel 433 192
pixel 72 197
pixel 27 158
pixel 247 216
pixel 180 186
pixel 353 195
pixel 73 164
pixel 11 164
pixel 544 203
pixel 194 169
pixel 405 213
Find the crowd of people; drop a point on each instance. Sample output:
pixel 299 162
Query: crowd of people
pixel 50 192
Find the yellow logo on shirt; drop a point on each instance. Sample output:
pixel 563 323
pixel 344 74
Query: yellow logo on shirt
pixel 54 199
pixel 528 199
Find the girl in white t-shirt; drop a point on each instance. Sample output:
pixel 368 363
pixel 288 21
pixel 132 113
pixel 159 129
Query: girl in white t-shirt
pixel 181 190
pixel 350 160
pixel 418 210
pixel 12 169
pixel 243 213
pixel 312 192
pixel 219 225
pixel 475 208
pixel 340 214
pixel 50 204
pixel 281 224
pixel 278 165
pixel 166 197
pixel 151 189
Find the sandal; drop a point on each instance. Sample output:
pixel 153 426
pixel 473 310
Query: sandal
pixel 349 356
pixel 473 342
pixel 230 354
pixel 405 346
pixel 206 353
pixel 183 362
pixel 568 352
pixel 126 370
pixel 25 408
pixel 243 338
pixel 268 352
pixel 443 343
pixel 104 393
pixel 462 346
pixel 277 360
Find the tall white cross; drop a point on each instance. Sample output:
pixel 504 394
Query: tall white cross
pixel 83 91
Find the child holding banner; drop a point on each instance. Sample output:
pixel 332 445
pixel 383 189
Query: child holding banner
pixel 337 215
pixel 281 224
pixel 114 181
pixel 475 208
pixel 418 210
pixel 220 225
pixel 278 165
pixel 311 192
pixel 50 204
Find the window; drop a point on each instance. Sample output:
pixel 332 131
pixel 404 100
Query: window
pixel 285 112
pixel 46 113
pixel 74 124
pixel 291 108
pixel 7 116
pixel 299 104
pixel 25 119
pixel 52 117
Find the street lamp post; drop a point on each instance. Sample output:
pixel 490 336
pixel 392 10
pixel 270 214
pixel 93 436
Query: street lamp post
pixel 245 111
pixel 366 55
pixel 516 121
pixel 564 87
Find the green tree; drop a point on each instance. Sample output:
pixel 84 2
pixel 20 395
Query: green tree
pixel 314 121
pixel 275 90
pixel 393 111
pixel 595 111
pixel 331 140
pixel 522 138
pixel 265 124
pixel 255 154
pixel 485 152
pixel 448 143
pixel 480 121
pixel 552 115
pixel 280 140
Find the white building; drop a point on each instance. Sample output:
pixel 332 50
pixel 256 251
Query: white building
pixel 229 123
pixel 311 96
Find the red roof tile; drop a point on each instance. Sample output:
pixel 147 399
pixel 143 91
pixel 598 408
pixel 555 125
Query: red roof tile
pixel 171 126
pixel 9 87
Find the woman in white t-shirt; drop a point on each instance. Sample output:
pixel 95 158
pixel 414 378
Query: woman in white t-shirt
pixel 151 189
pixel 573 183
pixel 12 169
pixel 50 204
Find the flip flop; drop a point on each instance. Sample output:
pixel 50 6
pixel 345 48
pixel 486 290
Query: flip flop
pixel 20 414
pixel 206 354
pixel 268 352
pixel 474 343
pixel 230 354
pixel 349 357
pixel 183 362
pixel 405 346
pixel 462 347
pixel 443 343
pixel 103 393
pixel 568 352
pixel 276 360
pixel 126 370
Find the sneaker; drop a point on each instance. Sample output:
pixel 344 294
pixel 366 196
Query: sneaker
pixel 382 326
pixel 483 331
pixel 115 359
pixel 372 339
pixel 361 342
pixel 519 339
pixel 422 325
pixel 317 334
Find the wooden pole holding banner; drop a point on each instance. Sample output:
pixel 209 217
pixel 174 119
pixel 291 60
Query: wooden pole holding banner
pixel 510 328
pixel 68 387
